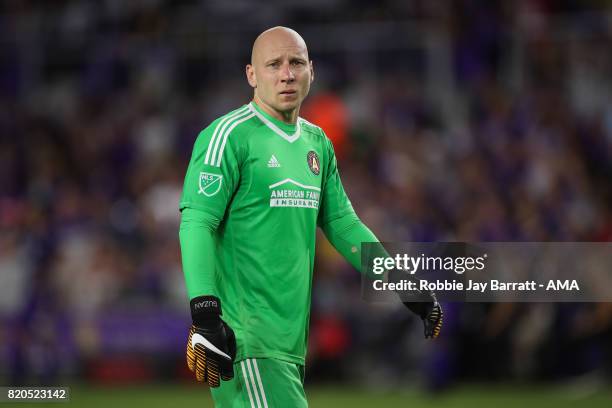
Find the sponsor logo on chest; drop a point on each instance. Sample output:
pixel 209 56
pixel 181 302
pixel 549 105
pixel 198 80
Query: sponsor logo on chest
pixel 290 193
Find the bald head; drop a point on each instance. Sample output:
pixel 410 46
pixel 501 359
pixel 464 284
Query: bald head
pixel 280 72
pixel 276 38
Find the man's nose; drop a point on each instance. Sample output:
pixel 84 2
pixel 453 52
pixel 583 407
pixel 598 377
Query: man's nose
pixel 287 74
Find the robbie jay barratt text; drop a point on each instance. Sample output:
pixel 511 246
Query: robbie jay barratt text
pixel 474 286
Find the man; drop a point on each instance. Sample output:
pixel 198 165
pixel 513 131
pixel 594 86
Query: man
pixel 260 181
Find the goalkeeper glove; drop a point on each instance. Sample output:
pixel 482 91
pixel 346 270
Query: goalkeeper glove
pixel 430 312
pixel 422 303
pixel 211 347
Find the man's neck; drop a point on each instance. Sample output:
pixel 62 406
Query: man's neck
pixel 289 117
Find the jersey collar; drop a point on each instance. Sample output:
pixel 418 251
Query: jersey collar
pixel 287 131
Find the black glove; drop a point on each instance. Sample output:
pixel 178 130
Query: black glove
pixel 431 314
pixel 422 303
pixel 211 347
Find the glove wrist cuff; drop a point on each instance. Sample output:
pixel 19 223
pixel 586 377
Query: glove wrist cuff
pixel 205 310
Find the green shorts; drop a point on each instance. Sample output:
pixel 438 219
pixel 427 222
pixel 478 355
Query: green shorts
pixel 262 383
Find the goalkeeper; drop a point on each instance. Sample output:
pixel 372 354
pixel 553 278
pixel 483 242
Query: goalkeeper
pixel 260 181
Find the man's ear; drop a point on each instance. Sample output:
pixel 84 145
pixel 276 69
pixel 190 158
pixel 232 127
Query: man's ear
pixel 250 74
pixel 311 71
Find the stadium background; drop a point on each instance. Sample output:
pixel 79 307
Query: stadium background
pixel 453 120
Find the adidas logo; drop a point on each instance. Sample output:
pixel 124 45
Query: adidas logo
pixel 273 162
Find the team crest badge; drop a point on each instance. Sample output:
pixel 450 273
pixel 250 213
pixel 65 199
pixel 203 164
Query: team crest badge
pixel 313 162
pixel 209 184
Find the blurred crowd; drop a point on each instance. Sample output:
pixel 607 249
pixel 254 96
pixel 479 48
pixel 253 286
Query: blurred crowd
pixel 509 138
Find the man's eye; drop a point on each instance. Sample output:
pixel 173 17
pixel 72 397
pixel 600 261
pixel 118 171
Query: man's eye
pixel 297 62
pixel 274 64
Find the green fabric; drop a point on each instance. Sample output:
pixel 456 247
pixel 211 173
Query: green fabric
pixel 262 383
pixel 346 234
pixel 197 246
pixel 252 182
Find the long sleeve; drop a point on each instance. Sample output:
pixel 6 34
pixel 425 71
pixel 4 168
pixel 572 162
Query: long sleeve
pixel 346 234
pixel 209 185
pixel 340 223
pixel 196 236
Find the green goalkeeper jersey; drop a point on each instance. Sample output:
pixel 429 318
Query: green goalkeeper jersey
pixel 266 185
